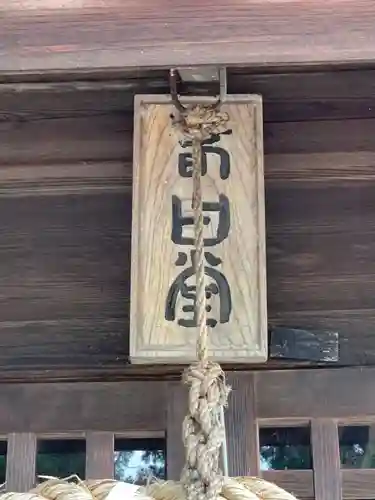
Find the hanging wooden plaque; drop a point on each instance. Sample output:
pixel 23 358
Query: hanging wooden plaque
pixel 162 326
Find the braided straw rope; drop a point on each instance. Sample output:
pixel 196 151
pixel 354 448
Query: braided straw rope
pixel 241 488
pixel 203 429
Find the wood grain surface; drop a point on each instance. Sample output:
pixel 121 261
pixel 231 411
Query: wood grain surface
pixel 65 218
pixel 21 461
pixel 158 333
pixel 69 35
pixel 124 408
pixel 326 459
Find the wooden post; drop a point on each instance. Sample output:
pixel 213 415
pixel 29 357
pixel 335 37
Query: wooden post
pixel 163 282
pixel 326 459
pixel 242 426
pixel 177 404
pixel 99 455
pixel 21 460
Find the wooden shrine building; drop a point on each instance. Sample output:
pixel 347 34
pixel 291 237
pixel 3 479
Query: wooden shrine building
pixel 69 74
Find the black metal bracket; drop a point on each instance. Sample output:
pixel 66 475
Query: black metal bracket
pixel 295 344
pixel 196 76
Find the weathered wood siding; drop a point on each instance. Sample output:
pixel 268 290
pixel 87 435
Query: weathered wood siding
pixel 260 401
pixel 65 216
pixel 46 35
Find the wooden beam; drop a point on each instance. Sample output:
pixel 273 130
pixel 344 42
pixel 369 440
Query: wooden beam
pixel 358 483
pixel 44 36
pixel 281 399
pixel 139 407
pixel 297 482
pixel 344 393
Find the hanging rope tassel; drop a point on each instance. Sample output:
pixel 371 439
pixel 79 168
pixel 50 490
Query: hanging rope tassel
pixel 203 427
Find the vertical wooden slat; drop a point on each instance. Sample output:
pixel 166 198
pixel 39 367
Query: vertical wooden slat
pixel 366 462
pixel 99 455
pixel 177 399
pixel 326 459
pixel 21 460
pixel 242 427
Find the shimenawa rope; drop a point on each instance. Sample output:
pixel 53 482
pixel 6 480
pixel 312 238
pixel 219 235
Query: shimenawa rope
pixel 240 488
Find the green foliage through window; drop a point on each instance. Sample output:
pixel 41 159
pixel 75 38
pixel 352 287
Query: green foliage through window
pixel 134 460
pixel 357 447
pixel 61 458
pixel 3 461
pixel 137 461
pixel 285 448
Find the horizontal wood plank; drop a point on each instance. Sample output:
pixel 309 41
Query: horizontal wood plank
pixel 65 259
pixel 358 483
pixel 299 483
pixel 147 408
pixel 310 85
pixel 329 168
pixel 43 36
pixel 319 136
pixel 109 138
pixel 63 140
pixel 287 96
pixel 135 407
pixel 322 399
pixel 64 271
pixel 76 178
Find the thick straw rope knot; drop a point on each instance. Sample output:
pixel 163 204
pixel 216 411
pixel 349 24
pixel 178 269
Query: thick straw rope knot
pixel 202 122
pixel 203 431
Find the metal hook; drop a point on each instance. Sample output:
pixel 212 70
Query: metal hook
pixel 223 85
pixel 174 92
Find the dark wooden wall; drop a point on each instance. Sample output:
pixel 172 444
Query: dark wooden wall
pixel 65 215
